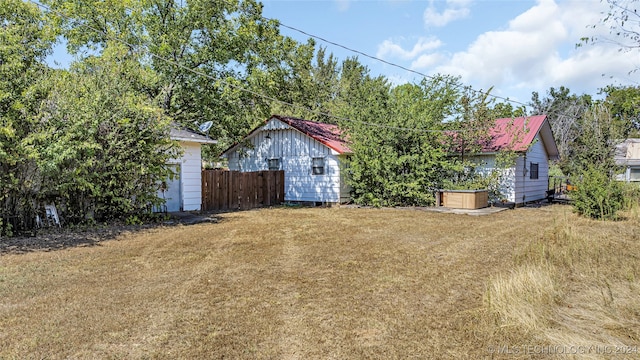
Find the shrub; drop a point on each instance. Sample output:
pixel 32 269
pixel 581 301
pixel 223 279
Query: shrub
pixel 631 195
pixel 597 195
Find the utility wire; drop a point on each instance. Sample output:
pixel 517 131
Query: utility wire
pixel 388 62
pixel 267 97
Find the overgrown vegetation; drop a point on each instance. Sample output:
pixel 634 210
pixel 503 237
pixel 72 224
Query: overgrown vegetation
pixel 573 285
pixel 597 195
pixel 141 66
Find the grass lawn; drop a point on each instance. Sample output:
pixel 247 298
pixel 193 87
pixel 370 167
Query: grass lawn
pixel 337 283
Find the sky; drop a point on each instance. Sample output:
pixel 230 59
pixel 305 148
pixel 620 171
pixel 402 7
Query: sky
pixel 515 46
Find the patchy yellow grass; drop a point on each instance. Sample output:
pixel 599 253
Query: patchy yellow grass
pixel 329 283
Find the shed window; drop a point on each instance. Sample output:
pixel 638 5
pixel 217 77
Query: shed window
pixel 274 164
pixel 533 171
pixel 317 165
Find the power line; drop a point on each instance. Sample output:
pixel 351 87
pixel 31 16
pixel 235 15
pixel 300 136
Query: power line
pixel 174 63
pixel 557 113
pixel 270 98
pixel 388 62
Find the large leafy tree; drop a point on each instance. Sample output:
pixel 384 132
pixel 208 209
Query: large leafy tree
pixel 395 134
pixel 104 145
pixel 624 105
pixel 25 40
pixel 215 60
pixel 598 194
pixel 307 88
pixel 600 132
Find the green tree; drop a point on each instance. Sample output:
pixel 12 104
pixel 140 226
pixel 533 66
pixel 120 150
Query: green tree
pixel 599 134
pixel 598 194
pixel 564 111
pixel 472 124
pixel 25 40
pixel 624 105
pixel 396 137
pixel 506 110
pixel 213 59
pixel 104 146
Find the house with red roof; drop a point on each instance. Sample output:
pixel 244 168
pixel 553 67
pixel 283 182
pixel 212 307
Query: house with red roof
pixel 312 155
pixel 532 140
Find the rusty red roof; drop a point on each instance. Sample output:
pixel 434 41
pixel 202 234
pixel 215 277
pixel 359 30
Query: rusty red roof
pixel 327 134
pixel 515 134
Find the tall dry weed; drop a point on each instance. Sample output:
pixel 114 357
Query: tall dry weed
pixel 576 284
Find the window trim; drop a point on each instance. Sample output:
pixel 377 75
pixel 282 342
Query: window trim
pixel 315 168
pixel 533 173
pixel 273 168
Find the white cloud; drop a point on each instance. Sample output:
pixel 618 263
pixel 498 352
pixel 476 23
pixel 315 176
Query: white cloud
pixel 343 5
pixel 426 61
pixel 389 49
pixel 456 9
pixel 537 51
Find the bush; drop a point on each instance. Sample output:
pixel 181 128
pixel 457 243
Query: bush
pixel 597 195
pixel 631 195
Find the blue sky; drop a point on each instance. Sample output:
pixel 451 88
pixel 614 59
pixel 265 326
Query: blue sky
pixel 516 46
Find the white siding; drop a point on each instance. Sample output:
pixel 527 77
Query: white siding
pixel 188 180
pixel 516 185
pixel 295 151
pixel 526 188
pixel 191 176
pixel 485 164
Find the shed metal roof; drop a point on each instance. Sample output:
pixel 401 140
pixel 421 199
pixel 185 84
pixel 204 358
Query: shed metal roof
pixel 182 134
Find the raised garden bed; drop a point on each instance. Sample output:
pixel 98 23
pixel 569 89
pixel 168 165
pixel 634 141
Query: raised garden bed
pixel 463 199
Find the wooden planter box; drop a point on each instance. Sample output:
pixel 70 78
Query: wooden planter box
pixel 463 199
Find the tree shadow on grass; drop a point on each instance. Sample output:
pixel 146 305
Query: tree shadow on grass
pixel 51 239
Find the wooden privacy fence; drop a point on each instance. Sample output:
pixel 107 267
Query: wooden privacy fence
pixel 235 190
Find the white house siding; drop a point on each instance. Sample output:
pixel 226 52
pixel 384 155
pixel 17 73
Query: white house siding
pixel 188 195
pixel 527 189
pixel 516 186
pixel 190 177
pixel 295 151
pixel 485 164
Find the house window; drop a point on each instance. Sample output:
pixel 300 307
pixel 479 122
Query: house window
pixel 274 164
pixel 533 171
pixel 317 166
pixel 634 174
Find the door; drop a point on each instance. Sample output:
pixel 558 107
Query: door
pixel 171 192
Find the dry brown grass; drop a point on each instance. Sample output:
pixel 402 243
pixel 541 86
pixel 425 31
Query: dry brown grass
pixel 328 284
pixel 575 287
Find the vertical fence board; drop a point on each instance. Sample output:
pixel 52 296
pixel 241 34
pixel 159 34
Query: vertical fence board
pixel 234 190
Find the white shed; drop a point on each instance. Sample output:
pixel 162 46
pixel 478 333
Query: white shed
pixel 532 139
pixel 311 154
pixel 184 192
